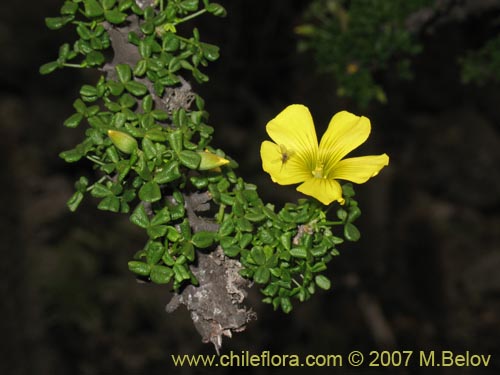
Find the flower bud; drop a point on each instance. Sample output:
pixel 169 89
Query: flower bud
pixel 123 141
pixel 210 161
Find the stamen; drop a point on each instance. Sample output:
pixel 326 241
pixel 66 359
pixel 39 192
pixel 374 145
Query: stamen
pixel 318 171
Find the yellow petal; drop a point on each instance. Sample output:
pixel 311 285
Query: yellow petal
pixel 324 190
pixel 283 172
pixel 360 169
pixel 294 129
pixel 345 133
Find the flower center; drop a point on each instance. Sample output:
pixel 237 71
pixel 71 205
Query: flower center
pixel 318 171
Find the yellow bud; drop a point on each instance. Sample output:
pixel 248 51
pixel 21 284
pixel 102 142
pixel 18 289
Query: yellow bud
pixel 210 161
pixel 305 30
pixel 123 141
pixel 352 68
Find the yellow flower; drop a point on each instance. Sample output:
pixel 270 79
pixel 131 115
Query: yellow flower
pixel 295 156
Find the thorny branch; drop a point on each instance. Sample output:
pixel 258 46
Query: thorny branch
pixel 215 304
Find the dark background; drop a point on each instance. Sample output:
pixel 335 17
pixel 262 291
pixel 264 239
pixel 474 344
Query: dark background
pixel 425 275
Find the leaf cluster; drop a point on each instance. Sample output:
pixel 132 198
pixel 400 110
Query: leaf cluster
pixel 354 40
pixel 483 65
pixel 285 252
pixel 153 162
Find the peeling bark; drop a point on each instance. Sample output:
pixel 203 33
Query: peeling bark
pixel 214 305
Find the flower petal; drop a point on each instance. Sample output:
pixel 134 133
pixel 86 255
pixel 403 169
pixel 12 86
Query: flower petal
pixel 283 172
pixel 323 189
pixel 345 132
pixel 294 129
pixel 360 169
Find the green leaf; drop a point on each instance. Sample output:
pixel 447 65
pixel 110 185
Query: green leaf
pixel 232 251
pixel 318 267
pixel 286 305
pixel 203 239
pixel 348 190
pixel 298 252
pixel 123 72
pixel 140 68
pixel 245 240
pixel 227 241
pixel 55 23
pixel 139 268
pixel 189 5
pixel 354 213
pixel 100 191
pixel 161 274
pixel 81 184
pixel 69 8
pixel 216 10
pixel 136 88
pixel 112 154
pixel 115 88
pixel 150 192
pixel 319 251
pixel 88 90
pixel 244 225
pixel 74 120
pixel 170 42
pixel 181 273
pixel 125 4
pixel 148 27
pixel 257 254
pixel 71 156
pixel 169 80
pixel 200 183
pixel 127 101
pixel 156 231
pixel 270 213
pixel 49 67
pixel 64 51
pixel 351 233
pixel 167 258
pixel 161 217
pixel 95 58
pixel 266 236
pixel 154 252
pixel 169 172
pixel 177 211
pixel 110 203
pixel 199 76
pixel 93 8
pixel 261 275
pixel 342 214
pixel 226 228
pixel 323 282
pixel 286 240
pixel 210 51
pixel 108 4
pixel 271 290
pixel 188 251
pixel 75 201
pixel 156 134
pixel 255 216
pixel 139 217
pixel 190 159
pixel 149 148
pixel 147 103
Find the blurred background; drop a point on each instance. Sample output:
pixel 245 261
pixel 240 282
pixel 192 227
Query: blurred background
pixel 424 276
